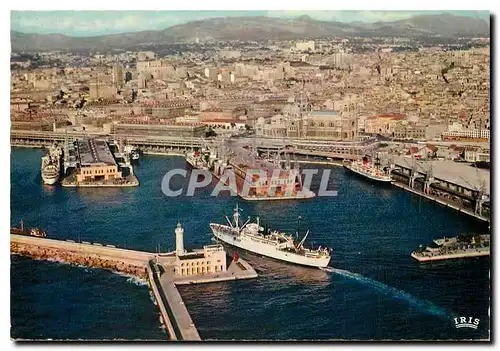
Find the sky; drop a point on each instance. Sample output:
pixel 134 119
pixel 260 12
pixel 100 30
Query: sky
pixel 91 23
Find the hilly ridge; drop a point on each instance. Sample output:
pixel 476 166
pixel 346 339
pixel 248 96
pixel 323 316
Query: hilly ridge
pixel 256 28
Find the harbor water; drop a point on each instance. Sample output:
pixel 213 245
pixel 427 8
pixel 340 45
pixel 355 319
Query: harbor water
pixel 374 289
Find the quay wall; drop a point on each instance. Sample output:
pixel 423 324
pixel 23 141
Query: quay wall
pixel 440 201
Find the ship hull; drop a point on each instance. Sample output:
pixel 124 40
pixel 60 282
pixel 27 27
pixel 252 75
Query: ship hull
pixel 368 176
pixel 49 181
pixel 194 164
pixel 134 157
pixel 450 256
pixel 252 245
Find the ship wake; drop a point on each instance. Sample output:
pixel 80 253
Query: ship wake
pixel 424 305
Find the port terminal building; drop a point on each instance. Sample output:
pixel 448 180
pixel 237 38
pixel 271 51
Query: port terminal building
pixel 96 161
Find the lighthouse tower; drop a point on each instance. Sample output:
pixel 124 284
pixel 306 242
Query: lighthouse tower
pixel 179 240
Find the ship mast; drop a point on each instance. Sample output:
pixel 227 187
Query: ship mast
pixel 298 225
pixel 303 240
pixel 236 217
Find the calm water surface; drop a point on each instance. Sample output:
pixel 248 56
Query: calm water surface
pixel 375 291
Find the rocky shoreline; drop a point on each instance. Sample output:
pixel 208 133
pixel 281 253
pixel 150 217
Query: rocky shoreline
pixel 94 261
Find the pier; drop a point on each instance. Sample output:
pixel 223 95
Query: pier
pixel 93 164
pixel 455 185
pixel 164 282
pixel 160 270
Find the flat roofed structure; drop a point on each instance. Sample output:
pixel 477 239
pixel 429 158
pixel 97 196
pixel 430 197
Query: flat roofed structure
pixel 173 129
pixel 461 174
pixel 211 259
pixel 96 162
pixel 95 151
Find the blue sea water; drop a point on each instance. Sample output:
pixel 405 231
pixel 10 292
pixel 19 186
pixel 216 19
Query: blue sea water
pixel 375 290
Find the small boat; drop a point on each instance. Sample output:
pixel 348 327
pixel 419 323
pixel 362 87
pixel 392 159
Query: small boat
pixel 134 155
pixel 29 232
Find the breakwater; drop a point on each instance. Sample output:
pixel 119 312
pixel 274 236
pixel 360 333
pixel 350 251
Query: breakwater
pixel 78 258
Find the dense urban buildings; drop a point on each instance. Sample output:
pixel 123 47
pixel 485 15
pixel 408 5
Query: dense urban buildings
pixel 316 89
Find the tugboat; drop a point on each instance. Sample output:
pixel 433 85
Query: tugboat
pixel 369 170
pixel 29 232
pixel 252 237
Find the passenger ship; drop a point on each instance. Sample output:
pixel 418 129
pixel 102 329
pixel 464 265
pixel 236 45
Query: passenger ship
pixel 368 170
pixel 51 165
pixel 252 237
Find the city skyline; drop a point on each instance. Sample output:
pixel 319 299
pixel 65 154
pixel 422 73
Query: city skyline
pixel 95 23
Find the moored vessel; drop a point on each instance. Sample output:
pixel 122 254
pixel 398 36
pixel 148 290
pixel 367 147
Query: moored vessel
pixel 369 170
pixel 462 246
pixel 134 155
pixel 51 165
pixel 28 231
pixel 255 178
pixel 252 237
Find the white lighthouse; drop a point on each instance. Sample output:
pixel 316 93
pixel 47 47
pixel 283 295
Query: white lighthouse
pixel 179 240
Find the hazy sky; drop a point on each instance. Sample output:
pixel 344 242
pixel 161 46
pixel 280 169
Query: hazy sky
pixel 88 23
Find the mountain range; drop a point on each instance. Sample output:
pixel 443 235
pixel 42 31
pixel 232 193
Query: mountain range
pixel 257 28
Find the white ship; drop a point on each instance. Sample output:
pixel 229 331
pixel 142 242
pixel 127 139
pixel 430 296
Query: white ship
pixel 134 155
pixel 51 165
pixel 274 244
pixel 368 170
